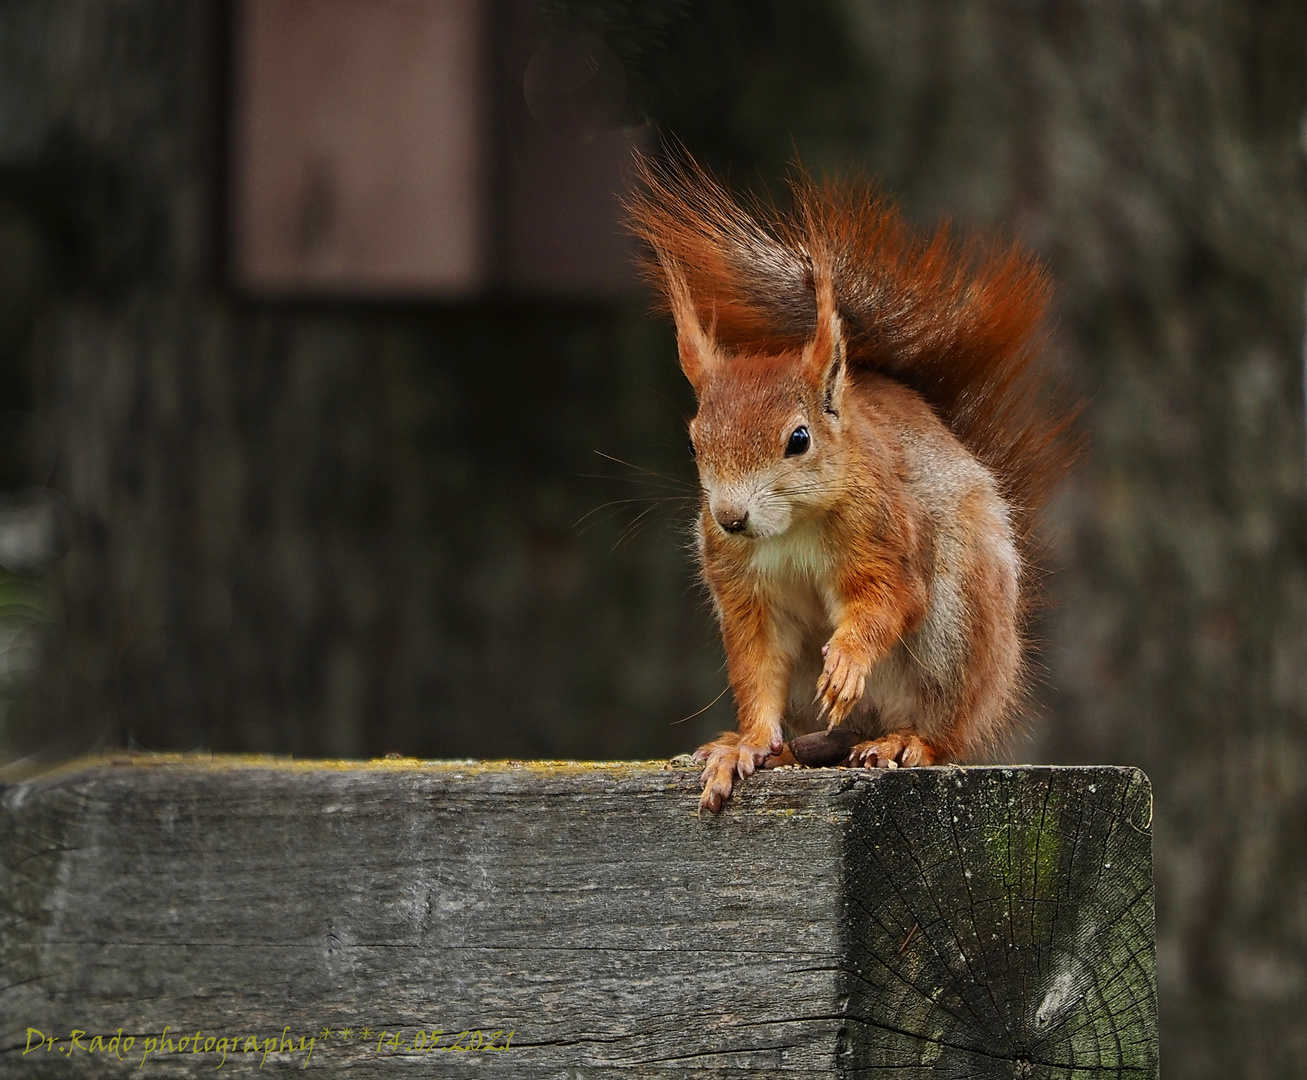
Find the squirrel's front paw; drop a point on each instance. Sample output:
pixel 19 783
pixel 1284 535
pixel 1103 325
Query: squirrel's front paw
pixel 725 759
pixel 843 679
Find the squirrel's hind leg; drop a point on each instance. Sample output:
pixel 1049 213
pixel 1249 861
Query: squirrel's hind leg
pixel 897 748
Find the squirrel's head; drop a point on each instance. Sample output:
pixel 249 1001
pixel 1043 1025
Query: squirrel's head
pixel 769 434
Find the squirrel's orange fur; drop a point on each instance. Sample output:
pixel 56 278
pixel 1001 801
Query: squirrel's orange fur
pixel 873 439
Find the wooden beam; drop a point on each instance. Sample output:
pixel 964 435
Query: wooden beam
pixel 948 922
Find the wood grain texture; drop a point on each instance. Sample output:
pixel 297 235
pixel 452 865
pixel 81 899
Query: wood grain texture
pixel 943 922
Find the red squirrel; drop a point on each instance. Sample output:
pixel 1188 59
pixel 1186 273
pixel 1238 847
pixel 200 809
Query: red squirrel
pixel 873 438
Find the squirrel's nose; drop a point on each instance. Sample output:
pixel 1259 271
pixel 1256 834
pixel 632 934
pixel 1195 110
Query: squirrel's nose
pixel 733 521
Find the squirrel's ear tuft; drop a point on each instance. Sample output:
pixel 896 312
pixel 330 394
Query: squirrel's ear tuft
pixel 823 357
pixel 695 345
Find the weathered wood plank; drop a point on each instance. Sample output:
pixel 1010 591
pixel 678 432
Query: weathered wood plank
pixel 942 922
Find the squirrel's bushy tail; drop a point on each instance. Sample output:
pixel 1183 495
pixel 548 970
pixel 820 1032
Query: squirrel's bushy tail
pixel 960 323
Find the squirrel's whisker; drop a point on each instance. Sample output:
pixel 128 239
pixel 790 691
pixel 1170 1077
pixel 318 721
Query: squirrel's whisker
pixel 710 704
pixel 642 469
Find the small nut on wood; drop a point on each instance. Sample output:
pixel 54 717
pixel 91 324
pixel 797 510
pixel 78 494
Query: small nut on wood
pixel 821 748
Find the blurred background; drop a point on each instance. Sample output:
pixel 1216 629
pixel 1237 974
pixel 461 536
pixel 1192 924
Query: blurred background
pixel 333 420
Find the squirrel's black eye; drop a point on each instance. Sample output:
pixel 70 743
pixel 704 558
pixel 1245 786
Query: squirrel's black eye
pixel 690 443
pixel 799 442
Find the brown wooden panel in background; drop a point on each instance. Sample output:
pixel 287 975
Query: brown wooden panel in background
pixel 371 156
pixel 360 154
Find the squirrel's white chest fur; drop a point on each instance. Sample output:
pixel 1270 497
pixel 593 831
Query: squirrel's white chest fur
pixel 799 554
pixel 796 572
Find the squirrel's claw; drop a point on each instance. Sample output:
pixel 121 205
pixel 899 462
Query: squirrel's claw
pixel 715 793
pixel 840 687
